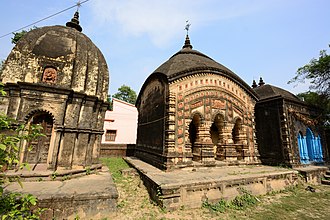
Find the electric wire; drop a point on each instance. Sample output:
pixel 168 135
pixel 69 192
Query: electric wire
pixel 78 4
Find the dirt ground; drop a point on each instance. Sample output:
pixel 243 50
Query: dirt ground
pixel 134 204
pixel 291 204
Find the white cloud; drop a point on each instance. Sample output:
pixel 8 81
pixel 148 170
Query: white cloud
pixel 163 20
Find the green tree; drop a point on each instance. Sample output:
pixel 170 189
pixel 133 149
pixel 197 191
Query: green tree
pixel 321 102
pixel 19 35
pixel 318 71
pixel 109 99
pixel 15 205
pixel 126 94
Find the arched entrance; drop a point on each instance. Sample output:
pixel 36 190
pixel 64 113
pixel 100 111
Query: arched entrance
pixel 314 146
pixel 236 131
pixel 310 147
pixel 318 146
pixel 36 152
pixel 193 135
pixel 216 132
pixel 310 144
pixel 303 152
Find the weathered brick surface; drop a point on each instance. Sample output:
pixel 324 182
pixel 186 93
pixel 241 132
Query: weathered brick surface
pixel 66 83
pixel 190 187
pixel 89 197
pixel 192 108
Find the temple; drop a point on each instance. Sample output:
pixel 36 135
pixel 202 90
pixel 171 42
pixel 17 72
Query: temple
pixel 289 131
pixel 55 76
pixel 193 110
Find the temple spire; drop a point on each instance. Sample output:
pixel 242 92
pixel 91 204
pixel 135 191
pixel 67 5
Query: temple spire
pixel 254 84
pixel 74 23
pixel 187 41
pixel 261 82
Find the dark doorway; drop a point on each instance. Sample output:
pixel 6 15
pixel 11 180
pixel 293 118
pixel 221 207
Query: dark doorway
pixel 216 129
pixel 236 131
pixel 193 133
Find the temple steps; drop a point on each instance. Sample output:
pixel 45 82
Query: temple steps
pixel 326 178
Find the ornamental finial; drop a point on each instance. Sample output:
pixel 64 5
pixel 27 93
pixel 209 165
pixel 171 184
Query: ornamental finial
pixel 187 26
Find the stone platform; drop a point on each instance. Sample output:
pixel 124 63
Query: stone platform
pixel 91 196
pixel 313 174
pixel 189 187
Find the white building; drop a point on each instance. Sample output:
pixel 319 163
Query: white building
pixel 120 127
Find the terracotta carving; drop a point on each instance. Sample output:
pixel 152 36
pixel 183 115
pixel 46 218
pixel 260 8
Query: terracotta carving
pixel 49 75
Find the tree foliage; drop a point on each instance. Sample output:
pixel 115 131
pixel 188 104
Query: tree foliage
pixel 15 205
pixel 18 35
pixel 318 71
pixel 321 102
pixel 125 93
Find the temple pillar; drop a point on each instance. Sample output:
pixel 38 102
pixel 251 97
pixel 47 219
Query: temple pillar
pixel 242 148
pixel 187 143
pixel 220 152
pixel 230 147
pixel 206 145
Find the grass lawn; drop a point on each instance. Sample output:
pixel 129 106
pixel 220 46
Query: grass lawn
pixel 293 203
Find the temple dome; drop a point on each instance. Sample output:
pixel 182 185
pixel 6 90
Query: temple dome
pixel 188 61
pixel 78 64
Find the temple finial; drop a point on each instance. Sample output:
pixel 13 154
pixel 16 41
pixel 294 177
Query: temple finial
pixel 261 82
pixel 74 23
pixel 187 26
pixel 254 84
pixel 187 41
pixel 78 5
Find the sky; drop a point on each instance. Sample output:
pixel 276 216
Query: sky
pixel 254 38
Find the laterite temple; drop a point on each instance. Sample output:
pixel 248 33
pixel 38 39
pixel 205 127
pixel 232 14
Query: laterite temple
pixel 55 76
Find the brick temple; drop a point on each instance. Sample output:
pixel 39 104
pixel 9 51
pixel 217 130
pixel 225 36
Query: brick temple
pixel 192 109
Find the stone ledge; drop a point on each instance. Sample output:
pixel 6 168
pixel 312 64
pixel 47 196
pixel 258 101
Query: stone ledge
pixel 48 175
pixel 90 197
pixel 190 187
pixel 312 174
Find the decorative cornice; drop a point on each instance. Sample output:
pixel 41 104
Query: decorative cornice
pixel 305 119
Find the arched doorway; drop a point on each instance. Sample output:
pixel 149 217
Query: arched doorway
pixel 36 151
pixel 310 144
pixel 193 133
pixel 216 132
pixel 303 152
pixel 236 131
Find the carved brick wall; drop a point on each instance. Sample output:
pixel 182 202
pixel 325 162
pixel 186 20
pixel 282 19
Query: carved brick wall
pixel 76 129
pixel 209 95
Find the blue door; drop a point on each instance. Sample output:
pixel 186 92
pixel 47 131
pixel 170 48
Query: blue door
pixel 318 147
pixel 303 152
pixel 310 147
pixel 310 144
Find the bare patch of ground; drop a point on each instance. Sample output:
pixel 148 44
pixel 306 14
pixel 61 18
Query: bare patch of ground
pixel 293 203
